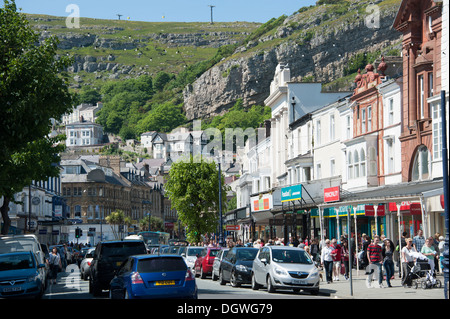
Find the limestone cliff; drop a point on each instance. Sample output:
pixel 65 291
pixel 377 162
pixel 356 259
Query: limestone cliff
pixel 317 44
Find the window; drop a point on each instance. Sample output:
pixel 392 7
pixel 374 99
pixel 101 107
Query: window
pixel 372 161
pixel 391 112
pixel 369 118
pixel 421 166
pixel 437 132
pixel 390 155
pixel 332 127
pixel 77 211
pixel 430 84
pixel 350 165
pixel 362 160
pixel 318 131
pixel 332 167
pixel 349 127
pixel 356 164
pixel 363 121
pixel 318 171
pixel 421 96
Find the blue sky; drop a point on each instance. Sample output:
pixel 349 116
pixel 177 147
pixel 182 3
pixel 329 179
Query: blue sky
pixel 170 10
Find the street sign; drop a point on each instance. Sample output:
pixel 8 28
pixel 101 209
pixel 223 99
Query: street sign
pixel 232 227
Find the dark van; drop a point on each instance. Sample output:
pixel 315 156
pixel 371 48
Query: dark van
pixel 108 257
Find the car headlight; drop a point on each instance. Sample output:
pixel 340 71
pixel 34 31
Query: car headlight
pixel 241 268
pixel 314 273
pixel 280 271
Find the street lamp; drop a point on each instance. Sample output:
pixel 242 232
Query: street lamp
pixel 220 208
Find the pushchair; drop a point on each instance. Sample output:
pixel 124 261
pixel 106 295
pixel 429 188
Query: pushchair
pixel 422 275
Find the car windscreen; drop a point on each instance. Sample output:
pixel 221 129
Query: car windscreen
pixel 120 249
pixel 15 262
pixel 161 264
pixel 290 256
pixel 246 254
pixel 194 251
pixel 214 252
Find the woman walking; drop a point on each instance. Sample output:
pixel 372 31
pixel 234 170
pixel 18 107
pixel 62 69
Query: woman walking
pixel 388 260
pixel 55 264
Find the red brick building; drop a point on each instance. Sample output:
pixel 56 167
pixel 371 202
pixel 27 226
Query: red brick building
pixel 420 22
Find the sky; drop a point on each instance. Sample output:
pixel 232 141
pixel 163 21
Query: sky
pixel 168 10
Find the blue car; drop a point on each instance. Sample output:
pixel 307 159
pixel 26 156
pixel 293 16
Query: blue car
pixel 20 275
pixel 153 276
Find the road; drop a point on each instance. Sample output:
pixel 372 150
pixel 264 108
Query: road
pixel 70 286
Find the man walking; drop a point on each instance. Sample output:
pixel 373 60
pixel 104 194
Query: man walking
pixel 375 258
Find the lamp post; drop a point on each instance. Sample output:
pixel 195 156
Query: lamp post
pixel 220 208
pixel 445 262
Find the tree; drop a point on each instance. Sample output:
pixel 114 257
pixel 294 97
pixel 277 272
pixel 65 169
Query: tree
pixel 162 118
pixel 118 219
pixel 33 89
pixel 156 223
pixel 193 189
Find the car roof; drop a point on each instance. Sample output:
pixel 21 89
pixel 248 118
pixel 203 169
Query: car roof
pixel 283 247
pixel 121 241
pixel 18 253
pixel 148 256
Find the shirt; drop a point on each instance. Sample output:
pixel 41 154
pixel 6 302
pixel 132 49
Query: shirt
pixel 374 252
pixel 418 242
pixel 326 253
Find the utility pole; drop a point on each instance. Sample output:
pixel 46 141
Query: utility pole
pixel 446 189
pixel 119 15
pixel 212 21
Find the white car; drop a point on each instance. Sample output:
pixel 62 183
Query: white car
pixel 86 264
pixel 216 265
pixel 190 255
pixel 284 267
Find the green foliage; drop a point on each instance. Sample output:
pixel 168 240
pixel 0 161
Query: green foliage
pixel 162 118
pixel 193 189
pixel 359 62
pixel 266 27
pixel 89 95
pixel 161 80
pixel 33 89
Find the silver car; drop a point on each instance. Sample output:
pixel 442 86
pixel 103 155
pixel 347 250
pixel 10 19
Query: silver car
pixel 86 264
pixel 216 265
pixel 285 267
pixel 190 255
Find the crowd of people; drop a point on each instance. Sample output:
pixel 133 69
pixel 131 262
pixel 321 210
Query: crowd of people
pixel 378 256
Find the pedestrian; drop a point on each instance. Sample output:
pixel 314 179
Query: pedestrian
pixel 374 258
pixel 400 245
pixel 327 260
pixel 336 254
pixel 429 252
pixel 419 240
pixel 54 262
pixel 441 252
pixel 345 258
pixel 314 249
pixel 407 262
pixel 388 260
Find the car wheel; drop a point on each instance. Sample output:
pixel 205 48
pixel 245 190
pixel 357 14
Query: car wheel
pixel 255 285
pixel 270 287
pixel 221 280
pixel 233 280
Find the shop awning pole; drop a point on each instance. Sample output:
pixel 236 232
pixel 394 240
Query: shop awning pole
pixel 356 241
pixel 350 257
pixel 399 237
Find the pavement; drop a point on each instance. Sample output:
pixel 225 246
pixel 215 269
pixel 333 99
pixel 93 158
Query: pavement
pixel 357 289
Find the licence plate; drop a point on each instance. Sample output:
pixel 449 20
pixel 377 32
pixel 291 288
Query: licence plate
pixel 12 289
pixel 118 263
pixel 165 283
pixel 299 282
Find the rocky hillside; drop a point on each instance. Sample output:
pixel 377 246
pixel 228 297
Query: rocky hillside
pixel 319 43
pixel 106 50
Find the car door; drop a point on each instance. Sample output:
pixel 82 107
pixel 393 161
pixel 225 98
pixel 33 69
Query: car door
pixel 260 271
pixel 228 264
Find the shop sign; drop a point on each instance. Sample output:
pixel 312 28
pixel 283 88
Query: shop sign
pixel 232 227
pixel 291 193
pixel 442 201
pixel 413 208
pixel 331 194
pixel 261 202
pixel 370 210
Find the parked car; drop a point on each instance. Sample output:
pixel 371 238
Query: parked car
pixel 153 276
pixel 236 267
pixel 216 265
pixel 204 262
pixel 285 267
pixel 108 257
pixel 190 255
pixel 25 243
pixel 85 264
pixel 21 275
